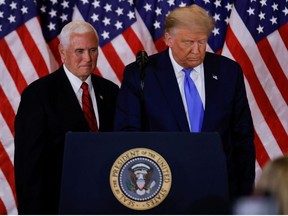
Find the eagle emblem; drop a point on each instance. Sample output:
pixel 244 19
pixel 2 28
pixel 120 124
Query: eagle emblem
pixel 140 179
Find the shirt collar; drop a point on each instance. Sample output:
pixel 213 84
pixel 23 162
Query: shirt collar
pixel 178 68
pixel 75 81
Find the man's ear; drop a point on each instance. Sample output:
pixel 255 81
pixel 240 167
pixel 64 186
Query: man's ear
pixel 168 39
pixel 61 52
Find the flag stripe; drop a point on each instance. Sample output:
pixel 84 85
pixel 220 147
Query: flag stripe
pixel 105 68
pixel 3 210
pixel 262 129
pixel 34 27
pixel 6 165
pixel 261 153
pixel 113 59
pixel 12 66
pixel 274 67
pixel 53 45
pixel 9 87
pixel 160 44
pixel 6 195
pixel 279 49
pixel 135 44
pixel 22 59
pixel 284 32
pixel 7 111
pixel 144 35
pixel 32 50
pixel 123 50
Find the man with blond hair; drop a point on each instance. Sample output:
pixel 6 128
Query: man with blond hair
pixel 187 89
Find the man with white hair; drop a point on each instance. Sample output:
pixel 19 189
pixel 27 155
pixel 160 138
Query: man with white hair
pixel 70 99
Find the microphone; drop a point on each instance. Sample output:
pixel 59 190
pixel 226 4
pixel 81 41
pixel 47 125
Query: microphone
pixel 142 60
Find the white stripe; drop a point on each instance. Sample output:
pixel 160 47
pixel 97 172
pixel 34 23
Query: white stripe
pixel 226 52
pixel 9 87
pixel 21 57
pixel 280 50
pixel 208 48
pixel 123 49
pixel 106 70
pixel 7 139
pixel 143 34
pixel 6 195
pixel 37 35
pixel 53 62
pixel 258 172
pixel 261 127
pixel 76 14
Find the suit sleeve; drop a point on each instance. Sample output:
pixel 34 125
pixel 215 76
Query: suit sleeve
pixel 243 139
pixel 30 138
pixel 128 109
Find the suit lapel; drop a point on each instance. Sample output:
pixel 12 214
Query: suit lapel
pixel 69 102
pixel 99 99
pixel 171 92
pixel 212 76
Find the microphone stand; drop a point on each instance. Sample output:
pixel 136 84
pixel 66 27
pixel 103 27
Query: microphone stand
pixel 143 113
pixel 141 60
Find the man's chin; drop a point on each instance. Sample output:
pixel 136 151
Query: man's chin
pixel 86 70
pixel 194 63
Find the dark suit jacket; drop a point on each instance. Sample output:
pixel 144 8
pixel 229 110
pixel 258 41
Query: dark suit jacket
pixel 226 111
pixel 48 109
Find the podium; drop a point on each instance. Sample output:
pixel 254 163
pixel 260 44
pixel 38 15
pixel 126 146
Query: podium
pixel 191 170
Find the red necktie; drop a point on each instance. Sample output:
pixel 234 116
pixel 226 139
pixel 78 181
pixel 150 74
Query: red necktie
pixel 87 107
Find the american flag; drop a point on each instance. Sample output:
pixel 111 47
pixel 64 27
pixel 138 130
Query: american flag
pixel 252 32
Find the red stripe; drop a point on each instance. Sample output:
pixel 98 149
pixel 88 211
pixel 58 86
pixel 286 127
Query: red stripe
pixel 53 45
pixel 114 60
pixel 32 51
pixel 261 153
pixel 3 210
pixel 97 72
pixel 7 169
pixel 261 98
pixel 160 44
pixel 12 66
pixel 133 40
pixel 7 111
pixel 274 67
pixel 283 31
pixel 219 51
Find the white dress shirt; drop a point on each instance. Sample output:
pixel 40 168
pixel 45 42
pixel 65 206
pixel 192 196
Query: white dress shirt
pixel 197 75
pixel 76 85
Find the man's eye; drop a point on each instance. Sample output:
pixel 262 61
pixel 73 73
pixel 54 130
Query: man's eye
pixel 94 50
pixel 79 51
pixel 201 42
pixel 188 43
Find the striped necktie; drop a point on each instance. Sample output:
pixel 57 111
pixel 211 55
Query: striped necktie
pixel 194 102
pixel 87 107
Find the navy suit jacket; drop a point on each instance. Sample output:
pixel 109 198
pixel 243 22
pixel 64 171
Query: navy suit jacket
pixel 48 109
pixel 161 109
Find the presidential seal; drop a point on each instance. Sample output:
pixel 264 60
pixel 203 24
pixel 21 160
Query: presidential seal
pixel 140 179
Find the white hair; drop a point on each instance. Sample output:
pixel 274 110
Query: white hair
pixel 77 26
